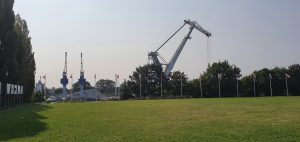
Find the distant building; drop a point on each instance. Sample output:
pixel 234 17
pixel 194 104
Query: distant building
pixel 40 87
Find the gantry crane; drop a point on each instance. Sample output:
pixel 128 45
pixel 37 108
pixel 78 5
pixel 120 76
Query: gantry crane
pixel 169 66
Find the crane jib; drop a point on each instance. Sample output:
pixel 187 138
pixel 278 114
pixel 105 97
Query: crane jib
pixel 154 55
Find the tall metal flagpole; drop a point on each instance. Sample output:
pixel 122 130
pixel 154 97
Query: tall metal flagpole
pixel 180 84
pixel 254 78
pixel 161 84
pixel 271 91
pixel 219 79
pixel 286 84
pixel 140 86
pixel 200 85
pixel 45 87
pixel 287 88
pixel 71 86
pixel 96 86
pixel 237 87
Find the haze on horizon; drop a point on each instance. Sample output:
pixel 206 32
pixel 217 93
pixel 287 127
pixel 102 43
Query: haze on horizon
pixel 115 36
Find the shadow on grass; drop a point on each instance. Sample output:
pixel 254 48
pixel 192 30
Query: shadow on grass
pixel 21 122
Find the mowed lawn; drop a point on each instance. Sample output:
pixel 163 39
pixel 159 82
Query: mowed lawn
pixel 258 119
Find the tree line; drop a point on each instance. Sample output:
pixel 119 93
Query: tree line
pixel 148 81
pixel 17 63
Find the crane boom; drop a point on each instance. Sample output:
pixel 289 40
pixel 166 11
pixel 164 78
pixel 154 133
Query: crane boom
pixel 172 62
pixel 169 66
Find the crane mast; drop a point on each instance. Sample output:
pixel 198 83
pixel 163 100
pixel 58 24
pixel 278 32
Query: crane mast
pixel 65 68
pixel 81 79
pixel 64 80
pixel 169 66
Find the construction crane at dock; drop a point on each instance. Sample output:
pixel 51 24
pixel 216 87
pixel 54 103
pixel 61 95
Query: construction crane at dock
pixel 81 80
pixel 153 56
pixel 64 81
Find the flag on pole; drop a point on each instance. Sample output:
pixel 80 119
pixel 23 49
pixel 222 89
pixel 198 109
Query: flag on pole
pixel 270 76
pixel 287 75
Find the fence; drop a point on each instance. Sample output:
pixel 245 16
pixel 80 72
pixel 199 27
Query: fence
pixel 11 95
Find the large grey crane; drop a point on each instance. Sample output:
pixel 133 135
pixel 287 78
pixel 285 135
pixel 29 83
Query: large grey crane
pixel 169 66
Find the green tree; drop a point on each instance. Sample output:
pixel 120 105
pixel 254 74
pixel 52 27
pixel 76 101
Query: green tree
pixel 294 81
pixel 17 64
pixel 150 81
pixel 127 88
pixel 24 57
pixel 175 83
pixel 76 86
pixel 106 86
pixel 229 73
pixel 7 42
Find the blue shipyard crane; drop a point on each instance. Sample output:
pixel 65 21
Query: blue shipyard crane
pixel 64 81
pixel 81 80
pixel 169 66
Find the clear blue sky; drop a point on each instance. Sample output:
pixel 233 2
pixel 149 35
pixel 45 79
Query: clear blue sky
pixel 116 35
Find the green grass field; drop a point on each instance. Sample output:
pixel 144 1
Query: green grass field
pixel 217 120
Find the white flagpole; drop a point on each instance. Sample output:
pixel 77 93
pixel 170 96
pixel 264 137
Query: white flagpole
pixel 45 85
pixel 140 86
pixel 271 91
pixel 219 78
pixel 287 88
pixel 71 87
pixel 200 85
pixel 161 85
pixel 254 91
pixel 237 87
pixel 180 84
pixel 96 86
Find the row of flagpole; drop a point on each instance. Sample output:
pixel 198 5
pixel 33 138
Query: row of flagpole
pixel 181 85
pixel 117 91
pixel 287 76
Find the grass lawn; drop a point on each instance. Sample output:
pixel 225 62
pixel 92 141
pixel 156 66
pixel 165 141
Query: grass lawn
pixel 217 120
